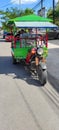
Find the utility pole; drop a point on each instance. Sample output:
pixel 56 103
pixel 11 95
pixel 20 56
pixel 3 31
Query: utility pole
pixel 41 4
pixel 19 4
pixel 53 11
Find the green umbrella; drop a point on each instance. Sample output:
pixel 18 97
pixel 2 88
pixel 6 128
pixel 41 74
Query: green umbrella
pixel 31 18
pixel 33 21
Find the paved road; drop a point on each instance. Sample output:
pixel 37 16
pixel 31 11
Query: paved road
pixel 24 104
pixel 53 63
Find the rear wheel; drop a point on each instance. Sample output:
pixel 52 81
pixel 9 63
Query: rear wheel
pixel 58 36
pixel 14 60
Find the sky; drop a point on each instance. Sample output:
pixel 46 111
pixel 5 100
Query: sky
pixel 23 4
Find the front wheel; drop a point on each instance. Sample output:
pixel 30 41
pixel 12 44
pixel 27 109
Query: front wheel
pixel 42 75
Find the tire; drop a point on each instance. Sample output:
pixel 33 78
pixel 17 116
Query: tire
pixel 32 63
pixel 14 60
pixel 42 76
pixel 58 36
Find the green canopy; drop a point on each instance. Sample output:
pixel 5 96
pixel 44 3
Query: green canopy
pixel 31 18
pixel 33 21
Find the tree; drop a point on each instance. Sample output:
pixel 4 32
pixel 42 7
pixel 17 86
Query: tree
pixel 12 13
pixel 56 13
pixel 50 13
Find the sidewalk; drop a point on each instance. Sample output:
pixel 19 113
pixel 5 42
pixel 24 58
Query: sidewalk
pixel 53 61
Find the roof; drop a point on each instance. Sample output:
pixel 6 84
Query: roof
pixel 35 25
pixel 33 21
pixel 32 17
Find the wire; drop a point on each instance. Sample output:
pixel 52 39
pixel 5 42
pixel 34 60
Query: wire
pixel 6 5
pixel 36 5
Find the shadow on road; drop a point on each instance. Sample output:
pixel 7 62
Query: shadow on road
pixel 17 71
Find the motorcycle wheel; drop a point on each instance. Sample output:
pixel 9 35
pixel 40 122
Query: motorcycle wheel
pixel 32 63
pixel 42 76
pixel 14 60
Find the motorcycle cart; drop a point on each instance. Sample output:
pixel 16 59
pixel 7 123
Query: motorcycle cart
pixel 28 50
pixel 32 49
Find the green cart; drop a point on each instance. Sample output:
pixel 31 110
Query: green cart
pixel 20 48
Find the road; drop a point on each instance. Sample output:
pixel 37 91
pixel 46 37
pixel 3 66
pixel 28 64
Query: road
pixel 24 104
pixel 53 63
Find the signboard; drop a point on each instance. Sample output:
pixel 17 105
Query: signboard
pixel 41 12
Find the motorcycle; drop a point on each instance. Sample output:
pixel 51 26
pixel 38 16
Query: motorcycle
pixel 36 60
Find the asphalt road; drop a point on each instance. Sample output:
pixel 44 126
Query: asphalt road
pixel 53 63
pixel 24 104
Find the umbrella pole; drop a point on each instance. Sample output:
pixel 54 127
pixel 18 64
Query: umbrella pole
pixel 46 38
pixel 36 36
